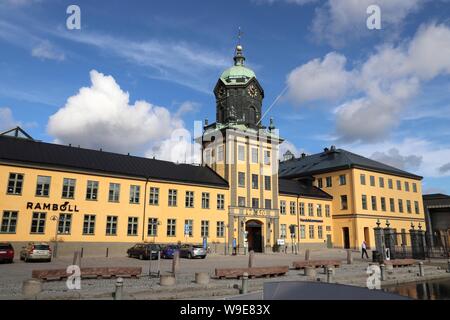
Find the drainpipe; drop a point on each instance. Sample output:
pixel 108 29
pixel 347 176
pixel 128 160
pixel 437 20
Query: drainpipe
pixel 298 223
pixel 145 205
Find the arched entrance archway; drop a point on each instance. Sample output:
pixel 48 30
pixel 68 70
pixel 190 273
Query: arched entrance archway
pixel 254 230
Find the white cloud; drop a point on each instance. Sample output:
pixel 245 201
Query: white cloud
pixel 408 152
pixel 7 120
pixel 378 90
pixel 338 21
pixel 101 116
pixel 393 158
pixel 289 146
pixel 45 50
pixel 318 74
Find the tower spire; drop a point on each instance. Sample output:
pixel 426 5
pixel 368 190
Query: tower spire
pixel 239 57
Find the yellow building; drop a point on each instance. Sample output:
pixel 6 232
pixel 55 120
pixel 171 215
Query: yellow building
pixel 364 191
pixel 241 198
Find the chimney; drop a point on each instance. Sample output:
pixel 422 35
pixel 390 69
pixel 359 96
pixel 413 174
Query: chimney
pixel 333 148
pixel 303 155
pixel 326 150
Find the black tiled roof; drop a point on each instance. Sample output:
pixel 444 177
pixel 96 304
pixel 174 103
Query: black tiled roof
pixel 24 151
pixel 436 199
pixel 333 160
pixel 294 187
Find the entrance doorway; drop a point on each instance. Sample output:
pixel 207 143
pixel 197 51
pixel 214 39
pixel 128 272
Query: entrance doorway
pixel 254 235
pixel 367 237
pixel 346 235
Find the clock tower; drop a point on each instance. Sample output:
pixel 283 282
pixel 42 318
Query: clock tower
pixel 245 153
pixel 238 94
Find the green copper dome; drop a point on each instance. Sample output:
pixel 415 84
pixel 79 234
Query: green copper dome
pixel 237 74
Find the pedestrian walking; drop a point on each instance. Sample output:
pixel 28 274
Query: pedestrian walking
pixel 364 250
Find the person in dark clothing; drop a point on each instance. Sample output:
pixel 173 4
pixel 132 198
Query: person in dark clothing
pixel 364 250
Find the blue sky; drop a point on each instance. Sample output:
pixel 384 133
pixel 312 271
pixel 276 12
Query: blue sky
pixel 382 93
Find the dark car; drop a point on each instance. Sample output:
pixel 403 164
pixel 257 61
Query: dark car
pixel 168 251
pixel 144 251
pixel 192 251
pixel 6 252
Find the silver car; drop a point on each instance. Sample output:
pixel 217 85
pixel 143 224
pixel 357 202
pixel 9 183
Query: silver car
pixel 192 251
pixel 36 251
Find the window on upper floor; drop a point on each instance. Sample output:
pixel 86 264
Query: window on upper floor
pixel 92 190
pixel 282 207
pixel 414 187
pixel 266 157
pixel 319 210
pixel 68 190
pixel 220 153
pixel 406 186
pixel 329 182
pixel 254 155
pixel 173 195
pixel 268 204
pixel 255 203
pixel 374 203
pixel 399 185
pixel 381 182
pixel 344 202
pixel 327 211
pixel 292 206
pixel 135 193
pixel 254 181
pixel 189 199
pixel 392 204
pixel 390 184
pixel 43 186
pixel 416 207
pixel 221 201
pixel 364 201
pixel 241 153
pixel 362 179
pixel 241 201
pixel 342 179
pixel 302 209
pixel 154 196
pixel 320 183
pixel 15 183
pixel 400 205
pixel 383 203
pixel 310 209
pixel 267 183
pixel 205 200
pixel 241 179
pixel 372 181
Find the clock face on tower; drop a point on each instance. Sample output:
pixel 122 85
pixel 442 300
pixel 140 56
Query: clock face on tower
pixel 252 91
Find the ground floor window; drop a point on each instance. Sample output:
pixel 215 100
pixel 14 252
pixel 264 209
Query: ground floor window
pixel 64 223
pixel 132 226
pixel 9 222
pixel 38 222
pixel 283 231
pixel 302 231
pixel 220 229
pixel 320 232
pixel 189 228
pixel 89 224
pixel 152 227
pixel 311 232
pixel 111 225
pixel 205 229
pixel 171 227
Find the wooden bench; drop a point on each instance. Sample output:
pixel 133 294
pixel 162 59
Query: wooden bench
pixel 398 263
pixel 233 273
pixel 316 263
pixel 100 272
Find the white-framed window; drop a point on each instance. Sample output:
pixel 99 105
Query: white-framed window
pixel 152 230
pixel 220 233
pixel 283 231
pixel 68 190
pixel 9 222
pixel 189 199
pixel 319 210
pixel 302 231
pixel 171 227
pixel 111 225
pixel 15 183
pixel 241 201
pixel 38 222
pixel 189 228
pixel 153 199
pixel 320 232
pixel 311 232
pixel 204 228
pixel 205 200
pixel 282 207
pixel 310 209
pixel 254 155
pixel 173 193
pixel 64 223
pixel 89 224
pixel 220 201
pixel 92 190
pixel 114 192
pixel 292 206
pixel 267 157
pixel 132 226
pixel 43 186
pixel 135 192
pixel 302 209
pixel 220 153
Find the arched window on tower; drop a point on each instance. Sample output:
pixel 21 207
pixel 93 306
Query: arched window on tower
pixel 252 114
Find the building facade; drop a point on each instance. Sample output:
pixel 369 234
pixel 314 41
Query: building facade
pixel 240 198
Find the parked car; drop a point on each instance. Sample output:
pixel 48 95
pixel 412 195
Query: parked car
pixel 36 251
pixel 6 252
pixel 168 251
pixel 143 251
pixel 192 251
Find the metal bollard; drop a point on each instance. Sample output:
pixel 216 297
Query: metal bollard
pixel 448 266
pixel 349 257
pixel 244 288
pixel 251 259
pixel 307 255
pixel 176 262
pixel 118 294
pixel 383 272
pixel 421 270
pixel 329 275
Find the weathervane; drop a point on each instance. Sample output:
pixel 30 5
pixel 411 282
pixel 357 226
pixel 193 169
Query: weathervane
pixel 240 33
